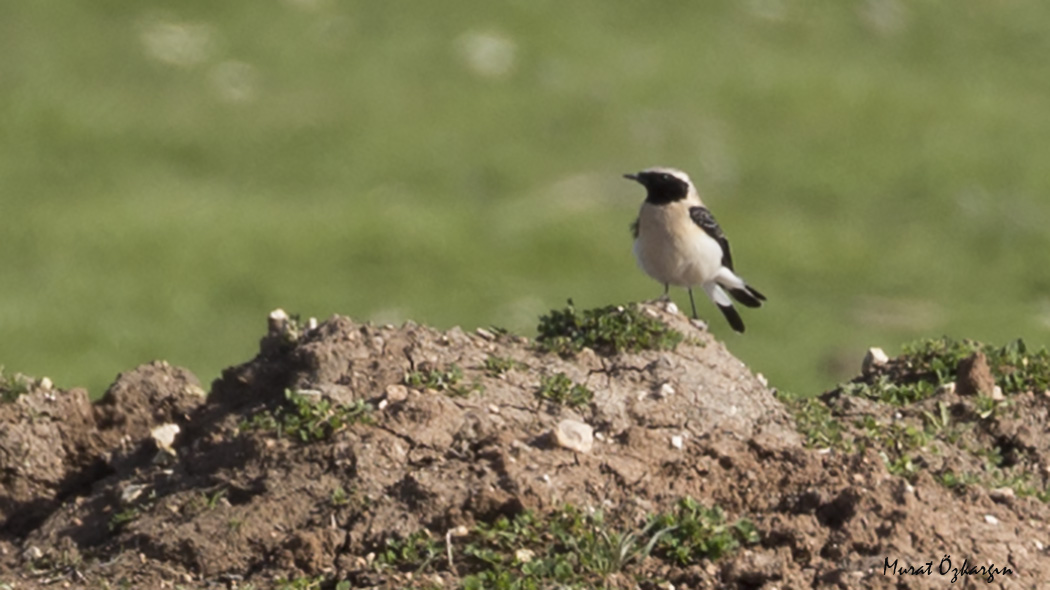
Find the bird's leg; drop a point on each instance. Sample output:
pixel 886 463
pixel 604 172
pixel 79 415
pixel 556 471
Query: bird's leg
pixel 693 303
pixel 667 292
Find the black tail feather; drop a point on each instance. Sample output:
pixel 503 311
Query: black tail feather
pixel 747 296
pixel 734 318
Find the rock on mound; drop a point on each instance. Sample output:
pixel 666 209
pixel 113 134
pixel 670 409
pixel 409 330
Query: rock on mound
pixel 405 457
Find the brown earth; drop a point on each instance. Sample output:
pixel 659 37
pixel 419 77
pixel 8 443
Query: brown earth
pixel 90 500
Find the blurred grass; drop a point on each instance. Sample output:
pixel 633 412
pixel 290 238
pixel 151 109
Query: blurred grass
pixel 170 173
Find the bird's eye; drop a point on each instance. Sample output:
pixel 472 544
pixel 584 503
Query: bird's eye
pixel 665 176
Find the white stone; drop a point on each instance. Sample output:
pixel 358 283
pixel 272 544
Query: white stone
pixel 524 555
pixel 990 519
pixel 1002 494
pixel 997 394
pixel 396 392
pixel 666 390
pixel 131 493
pixel 875 357
pixel 574 435
pixel 677 441
pixel 164 436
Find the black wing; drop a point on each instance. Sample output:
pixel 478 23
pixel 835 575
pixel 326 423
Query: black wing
pixel 702 217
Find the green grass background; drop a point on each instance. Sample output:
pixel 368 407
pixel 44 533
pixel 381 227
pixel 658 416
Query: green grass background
pixel 172 171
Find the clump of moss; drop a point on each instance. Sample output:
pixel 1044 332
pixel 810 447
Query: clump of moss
pixel 607 330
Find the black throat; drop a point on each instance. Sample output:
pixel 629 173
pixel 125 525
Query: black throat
pixel 663 188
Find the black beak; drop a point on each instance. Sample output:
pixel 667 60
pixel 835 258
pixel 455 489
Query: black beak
pixel 633 177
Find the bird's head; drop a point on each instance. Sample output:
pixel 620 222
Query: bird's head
pixel 664 185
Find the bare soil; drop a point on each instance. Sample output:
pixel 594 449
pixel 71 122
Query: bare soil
pixel 89 499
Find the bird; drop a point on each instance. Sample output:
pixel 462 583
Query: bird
pixel 677 241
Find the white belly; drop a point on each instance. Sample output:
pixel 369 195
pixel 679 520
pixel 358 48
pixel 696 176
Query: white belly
pixel 674 250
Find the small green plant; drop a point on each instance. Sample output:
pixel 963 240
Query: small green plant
pixel 886 391
pixel 925 365
pixel 339 497
pixel 1015 368
pixel 940 422
pixel 498 365
pixel 566 548
pixel 988 407
pixel 559 389
pixel 950 479
pixel 304 583
pixel 414 553
pixel 814 421
pixel 121 519
pixel 308 419
pixel 895 443
pixel 693 532
pixel 12 386
pixel 448 380
pixel 607 330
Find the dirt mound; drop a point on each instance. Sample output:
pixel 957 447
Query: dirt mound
pixel 351 455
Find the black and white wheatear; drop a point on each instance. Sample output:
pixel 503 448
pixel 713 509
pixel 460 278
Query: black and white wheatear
pixel 678 242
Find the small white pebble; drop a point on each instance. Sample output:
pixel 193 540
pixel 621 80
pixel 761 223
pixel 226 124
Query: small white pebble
pixel 677 442
pixel 1001 494
pixel 164 436
pixel 574 435
pixel 671 307
pixel 997 394
pixel 990 519
pixel 546 478
pixel 46 384
pixel 666 390
pixel 524 555
pixel 493 409
pixel 382 404
pixel 1039 546
pixel 762 379
pixel 875 357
